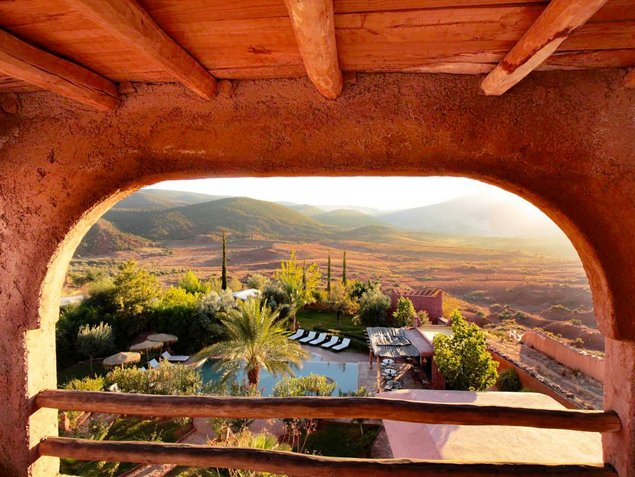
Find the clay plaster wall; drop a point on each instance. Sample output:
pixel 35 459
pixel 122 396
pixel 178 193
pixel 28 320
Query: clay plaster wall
pixel 563 140
pixel 573 358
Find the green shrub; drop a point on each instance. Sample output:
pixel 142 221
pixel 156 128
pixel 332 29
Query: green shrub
pixel 463 359
pixel 373 308
pixel 86 384
pixel 508 381
pixel 166 379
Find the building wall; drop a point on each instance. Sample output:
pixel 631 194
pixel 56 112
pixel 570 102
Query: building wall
pixel 565 141
pixel 573 358
pixel 433 305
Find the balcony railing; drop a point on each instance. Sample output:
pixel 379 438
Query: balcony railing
pixel 313 407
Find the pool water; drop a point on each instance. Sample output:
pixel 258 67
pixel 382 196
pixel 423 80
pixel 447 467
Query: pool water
pixel 343 374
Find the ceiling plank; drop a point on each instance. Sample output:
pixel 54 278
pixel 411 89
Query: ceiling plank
pixel 126 20
pixel 37 67
pixel 314 27
pixel 554 25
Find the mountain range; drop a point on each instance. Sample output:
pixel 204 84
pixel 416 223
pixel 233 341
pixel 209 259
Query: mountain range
pixel 153 215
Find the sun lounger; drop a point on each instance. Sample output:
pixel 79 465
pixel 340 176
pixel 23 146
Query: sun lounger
pixel 319 340
pixel 309 337
pixel 297 335
pixel 331 342
pixel 153 363
pixel 174 358
pixel 343 345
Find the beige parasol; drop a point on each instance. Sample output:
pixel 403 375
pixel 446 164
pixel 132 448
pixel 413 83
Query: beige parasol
pixel 163 338
pixel 146 346
pixel 119 359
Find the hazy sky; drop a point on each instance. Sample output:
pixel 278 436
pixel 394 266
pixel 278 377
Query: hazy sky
pixel 383 193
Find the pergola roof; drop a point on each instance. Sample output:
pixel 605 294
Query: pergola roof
pixel 82 48
pixel 391 343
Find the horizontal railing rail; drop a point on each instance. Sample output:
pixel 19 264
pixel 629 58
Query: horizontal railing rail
pixel 294 464
pixel 327 408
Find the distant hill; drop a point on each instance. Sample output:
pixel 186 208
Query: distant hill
pixel 236 214
pixel 477 216
pixel 370 233
pixel 347 218
pixel 104 238
pixel 304 209
pixel 157 199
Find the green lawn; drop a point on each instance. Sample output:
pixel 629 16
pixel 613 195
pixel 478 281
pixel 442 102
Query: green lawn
pixel 327 321
pixel 126 429
pixel 339 439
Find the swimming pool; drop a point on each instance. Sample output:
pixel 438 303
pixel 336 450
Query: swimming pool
pixel 343 374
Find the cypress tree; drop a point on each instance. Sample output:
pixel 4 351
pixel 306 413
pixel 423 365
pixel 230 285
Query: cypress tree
pixel 223 282
pixel 344 280
pixel 304 276
pixel 328 274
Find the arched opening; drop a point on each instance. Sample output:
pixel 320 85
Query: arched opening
pixel 552 152
pixel 93 217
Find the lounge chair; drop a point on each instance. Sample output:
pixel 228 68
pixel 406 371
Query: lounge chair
pixel 154 364
pixel 319 340
pixel 174 358
pixel 309 337
pixel 331 342
pixel 343 345
pixel 297 335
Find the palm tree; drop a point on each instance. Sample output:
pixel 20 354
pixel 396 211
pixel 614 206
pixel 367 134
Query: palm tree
pixel 256 340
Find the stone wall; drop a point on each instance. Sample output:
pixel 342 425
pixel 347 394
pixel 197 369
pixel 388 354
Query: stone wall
pixel 569 356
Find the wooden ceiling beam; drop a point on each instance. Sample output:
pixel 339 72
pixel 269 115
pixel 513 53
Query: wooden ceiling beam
pixel 314 27
pixel 554 25
pixel 37 67
pixel 126 20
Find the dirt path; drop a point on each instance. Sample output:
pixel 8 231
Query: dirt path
pixel 582 389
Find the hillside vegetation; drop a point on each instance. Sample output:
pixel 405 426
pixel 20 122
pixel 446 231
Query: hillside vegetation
pixel 347 218
pixel 248 217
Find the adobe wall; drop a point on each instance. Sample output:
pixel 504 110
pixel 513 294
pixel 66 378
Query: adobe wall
pixel 563 140
pixel 573 358
pixel 530 382
pixel 433 305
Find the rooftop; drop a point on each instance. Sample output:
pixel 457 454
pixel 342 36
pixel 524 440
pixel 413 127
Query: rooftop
pixel 420 292
pixel 489 443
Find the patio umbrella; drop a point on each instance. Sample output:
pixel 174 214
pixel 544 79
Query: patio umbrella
pixel 163 338
pixel 146 346
pixel 124 357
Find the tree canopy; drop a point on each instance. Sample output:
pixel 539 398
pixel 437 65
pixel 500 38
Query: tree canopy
pixel 463 359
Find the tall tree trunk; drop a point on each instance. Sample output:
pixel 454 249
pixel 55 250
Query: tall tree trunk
pixel 223 278
pixel 344 279
pixel 328 274
pixel 253 376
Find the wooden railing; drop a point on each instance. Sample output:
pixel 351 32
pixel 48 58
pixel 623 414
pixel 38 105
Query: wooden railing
pixel 312 407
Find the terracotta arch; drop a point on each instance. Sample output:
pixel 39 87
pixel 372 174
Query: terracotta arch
pixel 562 141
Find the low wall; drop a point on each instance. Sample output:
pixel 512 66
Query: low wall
pixel 531 382
pixel 568 356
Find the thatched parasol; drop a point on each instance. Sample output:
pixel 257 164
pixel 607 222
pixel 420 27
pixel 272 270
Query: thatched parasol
pixel 163 338
pixel 122 358
pixel 146 346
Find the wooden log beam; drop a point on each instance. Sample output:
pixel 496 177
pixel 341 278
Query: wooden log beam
pixel 295 464
pixel 314 26
pixel 126 20
pixel 37 67
pixel 327 408
pixel 554 25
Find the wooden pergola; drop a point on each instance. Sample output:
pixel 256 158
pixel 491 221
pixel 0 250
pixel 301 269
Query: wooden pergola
pixel 92 50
